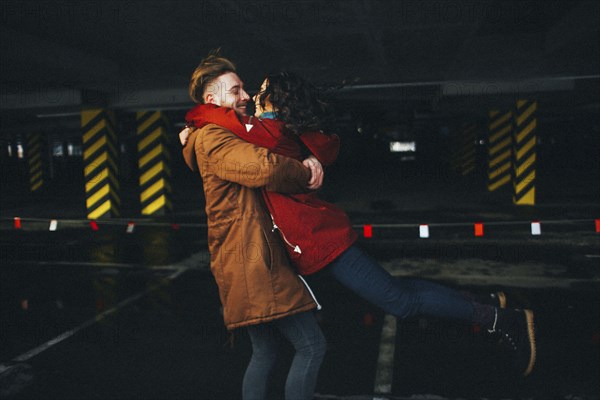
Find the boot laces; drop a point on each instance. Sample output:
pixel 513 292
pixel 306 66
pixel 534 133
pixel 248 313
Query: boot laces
pixel 493 330
pixel 510 339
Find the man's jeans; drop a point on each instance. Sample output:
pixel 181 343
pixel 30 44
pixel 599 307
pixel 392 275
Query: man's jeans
pixel 305 335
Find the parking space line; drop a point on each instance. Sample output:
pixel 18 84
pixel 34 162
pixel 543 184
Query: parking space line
pixel 385 362
pixel 94 264
pixel 52 342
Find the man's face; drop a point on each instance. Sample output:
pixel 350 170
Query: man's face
pixel 228 91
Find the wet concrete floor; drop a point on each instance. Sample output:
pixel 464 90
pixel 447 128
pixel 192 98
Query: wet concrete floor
pixel 109 315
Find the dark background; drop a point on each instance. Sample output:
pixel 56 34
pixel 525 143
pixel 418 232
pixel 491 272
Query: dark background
pixel 412 70
pixel 392 70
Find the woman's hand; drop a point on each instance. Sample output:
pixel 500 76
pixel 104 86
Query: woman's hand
pixel 316 170
pixel 183 135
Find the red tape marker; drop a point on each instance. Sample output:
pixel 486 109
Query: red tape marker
pixel 94 225
pixel 368 319
pixel 598 226
pixel 17 223
pixel 368 231
pixel 478 229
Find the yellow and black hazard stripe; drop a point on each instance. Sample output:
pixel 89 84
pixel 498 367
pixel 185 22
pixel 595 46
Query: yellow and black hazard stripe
pixel 464 160
pixel 499 149
pixel 524 152
pixel 154 161
pixel 35 159
pixel 100 163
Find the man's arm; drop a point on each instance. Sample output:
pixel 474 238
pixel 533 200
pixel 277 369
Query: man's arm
pixel 235 160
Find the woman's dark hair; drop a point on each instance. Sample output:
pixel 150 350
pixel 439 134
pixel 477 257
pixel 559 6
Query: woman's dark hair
pixel 295 101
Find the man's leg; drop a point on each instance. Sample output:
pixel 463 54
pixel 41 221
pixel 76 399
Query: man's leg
pixel 265 344
pixel 303 331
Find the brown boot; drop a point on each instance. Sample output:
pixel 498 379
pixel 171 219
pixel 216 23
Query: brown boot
pixel 517 331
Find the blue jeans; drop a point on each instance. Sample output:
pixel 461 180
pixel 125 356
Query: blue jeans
pixel 305 335
pixel 402 297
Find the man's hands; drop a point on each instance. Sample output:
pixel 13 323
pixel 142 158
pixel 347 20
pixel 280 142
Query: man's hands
pixel 316 170
pixel 183 135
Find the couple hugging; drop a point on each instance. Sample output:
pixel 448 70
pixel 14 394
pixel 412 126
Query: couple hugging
pixel 267 227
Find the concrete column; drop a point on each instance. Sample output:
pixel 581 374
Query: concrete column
pixel 524 152
pixel 100 163
pixel 154 160
pixel 499 148
pixel 36 153
pixel 464 159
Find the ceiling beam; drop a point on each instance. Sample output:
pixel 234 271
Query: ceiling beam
pixel 580 26
pixel 31 58
pixel 373 36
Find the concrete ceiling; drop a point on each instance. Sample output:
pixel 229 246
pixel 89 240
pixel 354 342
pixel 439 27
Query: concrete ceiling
pixel 450 57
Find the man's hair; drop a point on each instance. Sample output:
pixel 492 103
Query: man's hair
pixel 209 69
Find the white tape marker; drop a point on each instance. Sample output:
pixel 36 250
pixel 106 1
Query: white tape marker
pixel 536 228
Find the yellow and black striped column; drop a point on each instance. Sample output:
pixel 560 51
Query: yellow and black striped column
pixel 465 154
pixel 36 151
pixel 524 152
pixel 100 163
pixel 154 163
pixel 500 129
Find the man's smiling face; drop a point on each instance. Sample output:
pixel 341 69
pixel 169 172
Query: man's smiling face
pixel 227 91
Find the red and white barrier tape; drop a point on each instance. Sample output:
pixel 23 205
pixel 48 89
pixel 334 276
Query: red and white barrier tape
pixel 368 230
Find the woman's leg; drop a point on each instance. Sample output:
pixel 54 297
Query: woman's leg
pixel 408 297
pixel 402 297
pixel 303 331
pixel 265 343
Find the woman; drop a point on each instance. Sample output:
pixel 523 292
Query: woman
pixel 319 235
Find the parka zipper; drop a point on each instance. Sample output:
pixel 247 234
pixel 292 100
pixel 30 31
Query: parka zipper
pixel 295 247
pixel 311 292
pixel 297 250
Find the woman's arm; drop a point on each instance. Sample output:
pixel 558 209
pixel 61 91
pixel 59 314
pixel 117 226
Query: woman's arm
pixel 324 147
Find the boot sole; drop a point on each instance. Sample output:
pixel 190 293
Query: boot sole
pixel 531 336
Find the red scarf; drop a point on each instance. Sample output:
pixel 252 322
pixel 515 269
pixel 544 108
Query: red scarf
pixel 266 133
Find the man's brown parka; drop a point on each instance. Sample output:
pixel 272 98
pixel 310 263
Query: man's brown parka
pixel 250 265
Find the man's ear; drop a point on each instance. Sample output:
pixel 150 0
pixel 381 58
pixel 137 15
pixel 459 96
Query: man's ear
pixel 209 98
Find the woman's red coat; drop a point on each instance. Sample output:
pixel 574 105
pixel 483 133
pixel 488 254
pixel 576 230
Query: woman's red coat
pixel 315 231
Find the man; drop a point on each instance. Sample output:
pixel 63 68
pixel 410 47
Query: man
pixel 257 286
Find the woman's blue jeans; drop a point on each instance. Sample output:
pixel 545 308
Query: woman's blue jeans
pixel 305 335
pixel 402 297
